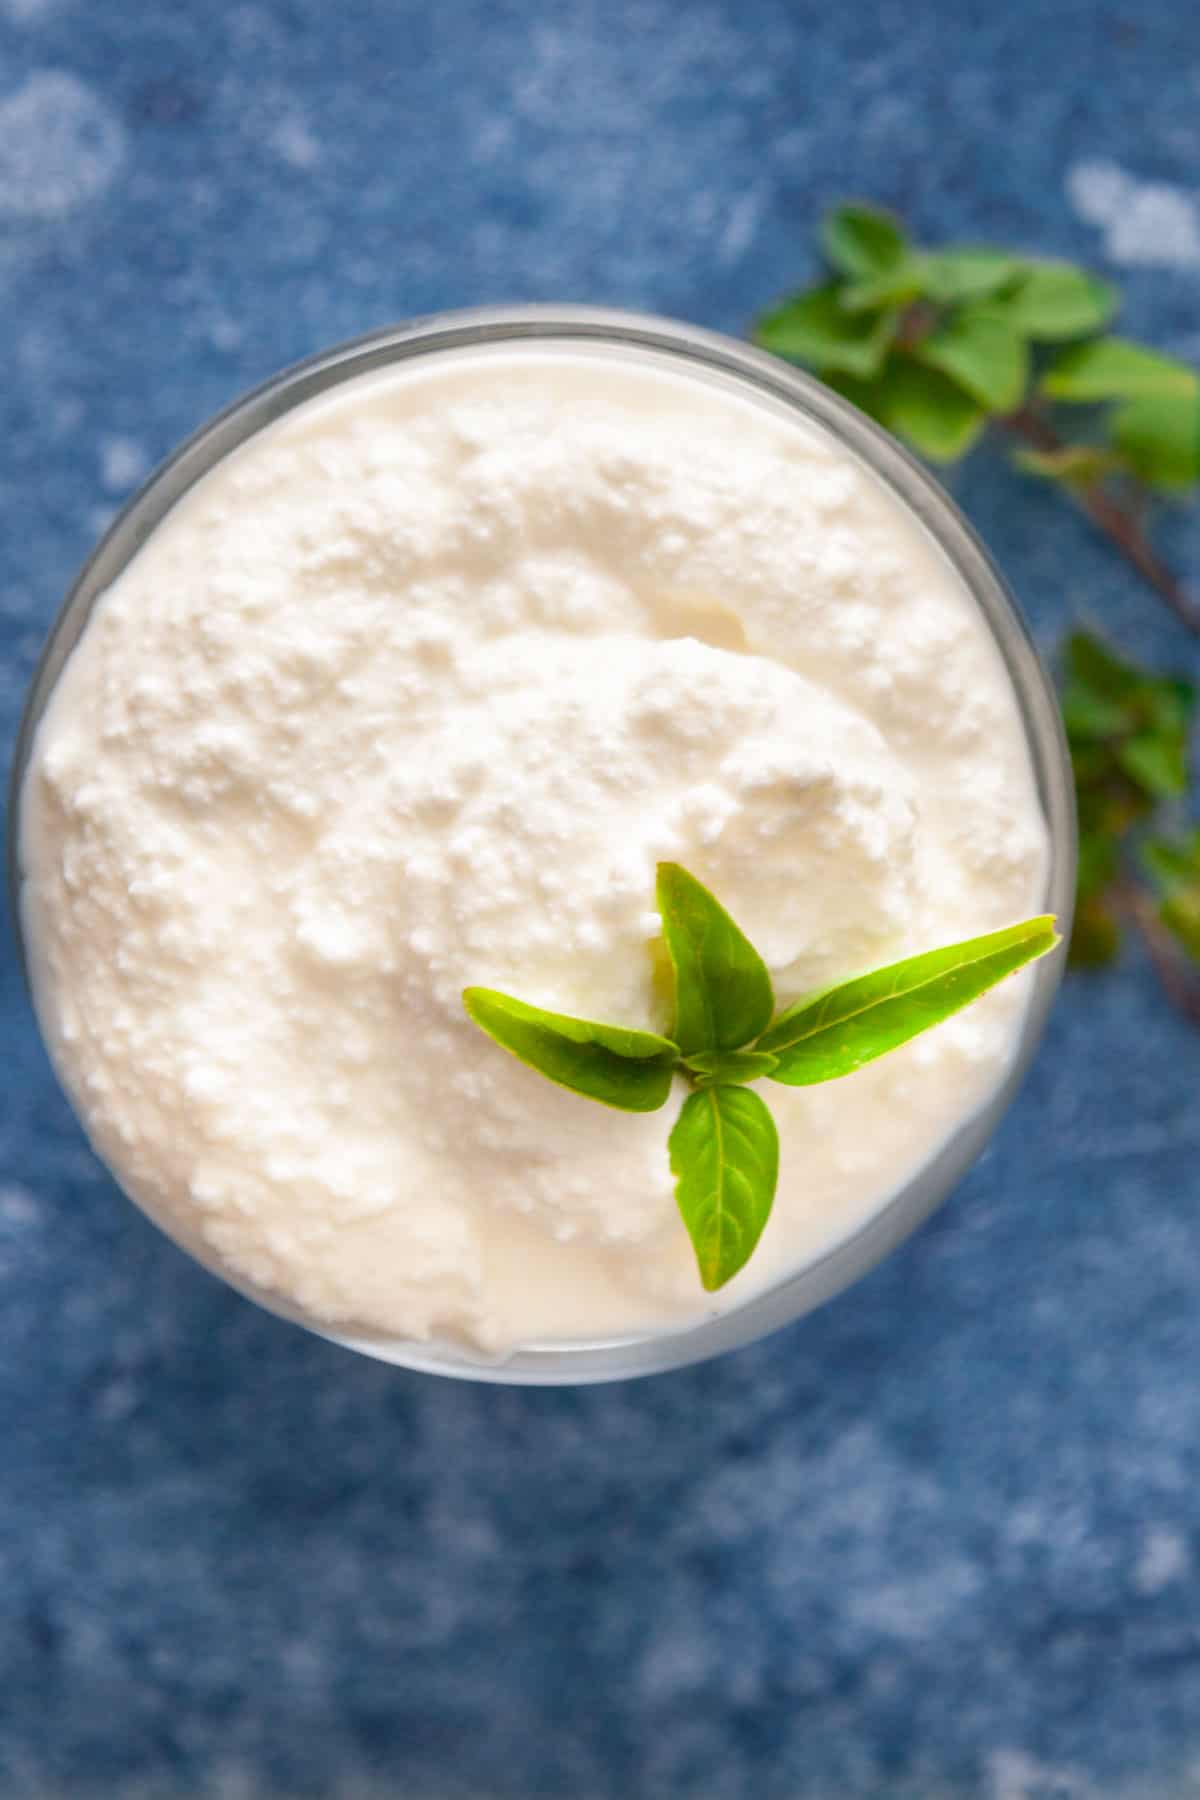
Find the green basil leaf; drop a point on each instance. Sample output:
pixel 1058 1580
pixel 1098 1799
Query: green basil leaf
pixel 1112 368
pixel 724 1151
pixel 1157 762
pixel 1056 301
pixel 1159 435
pixel 1170 862
pixel 834 1033
pixel 1168 703
pixel 860 392
pixel 983 354
pixel 1091 718
pixel 711 1066
pixel 927 408
pixel 631 1070
pixel 968 274
pixel 1098 668
pixel 814 328
pixel 723 995
pixel 862 240
pixel 898 285
pixel 1097 867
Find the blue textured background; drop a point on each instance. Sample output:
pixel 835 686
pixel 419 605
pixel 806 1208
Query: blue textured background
pixel 941 1539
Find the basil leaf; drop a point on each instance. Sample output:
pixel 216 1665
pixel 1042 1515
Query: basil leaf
pixel 1157 762
pixel 723 995
pixel 860 391
pixel 1111 368
pixel 1057 300
pixel 928 409
pixel 1160 437
pixel 1169 862
pixel 898 285
pixel 1174 867
pixel 814 328
pixel 862 240
pixel 951 275
pixel 1095 666
pixel 724 1151
pixel 631 1070
pixel 1098 863
pixel 1091 718
pixel 983 354
pixel 711 1066
pixel 836 1032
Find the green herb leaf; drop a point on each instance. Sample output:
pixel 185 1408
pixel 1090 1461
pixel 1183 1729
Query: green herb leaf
pixel 1075 465
pixel 1159 435
pixel 1168 702
pixel 896 286
pixel 1112 368
pixel 865 394
pixel 1092 718
pixel 711 1066
pixel 631 1070
pixel 1121 719
pixel 724 1153
pixel 1171 862
pixel 834 1033
pixel 1097 667
pixel 1157 762
pixel 862 240
pixel 723 995
pixel 1056 301
pixel 968 274
pixel 814 328
pixel 983 354
pixel 1098 862
pixel 928 409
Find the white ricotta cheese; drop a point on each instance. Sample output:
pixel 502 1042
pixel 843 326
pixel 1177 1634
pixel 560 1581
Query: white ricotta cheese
pixel 412 692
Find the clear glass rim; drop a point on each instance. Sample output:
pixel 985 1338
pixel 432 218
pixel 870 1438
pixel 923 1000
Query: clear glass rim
pixel 691 346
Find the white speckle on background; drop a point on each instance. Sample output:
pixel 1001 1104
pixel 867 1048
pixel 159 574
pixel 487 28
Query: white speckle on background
pixel 741 226
pixel 122 464
pixel 1012 1775
pixel 913 1606
pixel 1146 223
pixel 17 1206
pixel 294 141
pixel 1164 1559
pixel 224 333
pixel 60 147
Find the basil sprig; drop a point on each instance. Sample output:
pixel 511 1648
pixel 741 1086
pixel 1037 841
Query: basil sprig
pixel 726 1033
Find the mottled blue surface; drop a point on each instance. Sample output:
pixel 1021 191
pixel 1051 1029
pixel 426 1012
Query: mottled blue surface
pixel 941 1539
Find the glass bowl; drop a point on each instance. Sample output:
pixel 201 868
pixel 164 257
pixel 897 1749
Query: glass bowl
pixel 753 373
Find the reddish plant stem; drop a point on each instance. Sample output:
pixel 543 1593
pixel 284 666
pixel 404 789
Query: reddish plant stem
pixel 1120 524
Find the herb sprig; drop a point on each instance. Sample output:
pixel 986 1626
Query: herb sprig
pixel 726 1033
pixel 937 344
pixel 1128 732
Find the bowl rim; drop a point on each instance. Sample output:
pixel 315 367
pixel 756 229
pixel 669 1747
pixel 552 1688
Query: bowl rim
pixel 748 369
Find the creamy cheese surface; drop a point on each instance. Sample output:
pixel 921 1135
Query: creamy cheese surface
pixel 411 693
